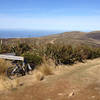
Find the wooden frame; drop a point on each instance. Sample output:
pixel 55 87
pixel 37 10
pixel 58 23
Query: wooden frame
pixel 11 57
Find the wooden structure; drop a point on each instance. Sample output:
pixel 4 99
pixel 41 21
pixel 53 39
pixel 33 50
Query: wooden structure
pixel 11 57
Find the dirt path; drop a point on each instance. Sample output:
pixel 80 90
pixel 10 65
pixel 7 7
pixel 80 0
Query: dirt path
pixel 77 82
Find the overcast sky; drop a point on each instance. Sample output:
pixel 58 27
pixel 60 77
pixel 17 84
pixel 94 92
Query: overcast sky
pixel 80 15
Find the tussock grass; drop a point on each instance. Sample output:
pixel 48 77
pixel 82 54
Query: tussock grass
pixel 46 68
pixel 6 84
pixel 4 65
pixel 38 75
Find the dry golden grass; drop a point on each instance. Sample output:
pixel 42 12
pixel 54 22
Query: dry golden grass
pixel 46 70
pixel 6 84
pixel 4 65
pixel 47 67
pixel 38 75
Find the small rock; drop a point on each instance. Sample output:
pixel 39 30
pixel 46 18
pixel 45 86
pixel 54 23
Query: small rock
pixel 49 99
pixel 93 96
pixel 60 93
pixel 41 78
pixel 71 94
pixel 21 84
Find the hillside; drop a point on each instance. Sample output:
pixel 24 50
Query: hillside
pixel 75 37
pixel 94 35
pixel 77 82
pixel 61 72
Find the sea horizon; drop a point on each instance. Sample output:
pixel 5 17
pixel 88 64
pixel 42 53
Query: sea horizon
pixel 30 33
pixel 27 33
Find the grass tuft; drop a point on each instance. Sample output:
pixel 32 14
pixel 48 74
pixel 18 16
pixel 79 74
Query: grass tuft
pixel 46 68
pixel 3 66
pixel 39 76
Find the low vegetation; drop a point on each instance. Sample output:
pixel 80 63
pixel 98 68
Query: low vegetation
pixel 3 66
pixel 33 58
pixel 45 58
pixel 58 53
pixel 45 69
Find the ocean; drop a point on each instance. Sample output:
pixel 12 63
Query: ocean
pixel 26 33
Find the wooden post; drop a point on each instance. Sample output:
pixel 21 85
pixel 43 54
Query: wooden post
pixel 0 45
pixel 1 42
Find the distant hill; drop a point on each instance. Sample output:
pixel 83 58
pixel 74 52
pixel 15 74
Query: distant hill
pixel 94 35
pixel 74 37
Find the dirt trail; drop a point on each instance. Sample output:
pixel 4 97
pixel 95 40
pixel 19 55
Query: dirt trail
pixel 77 82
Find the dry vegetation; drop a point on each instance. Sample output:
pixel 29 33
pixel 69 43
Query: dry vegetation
pixel 5 83
pixel 45 69
pixel 49 55
pixel 4 65
pixel 39 76
pixel 46 53
pixel 75 37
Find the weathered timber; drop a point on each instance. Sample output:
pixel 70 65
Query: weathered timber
pixel 11 57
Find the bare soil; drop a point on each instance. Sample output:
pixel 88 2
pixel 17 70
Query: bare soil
pixel 77 82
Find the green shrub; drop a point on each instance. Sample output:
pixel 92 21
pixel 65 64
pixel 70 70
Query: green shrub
pixel 33 58
pixel 59 53
pixel 67 54
pixel 21 48
pixel 4 48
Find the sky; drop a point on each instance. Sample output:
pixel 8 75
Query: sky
pixel 81 15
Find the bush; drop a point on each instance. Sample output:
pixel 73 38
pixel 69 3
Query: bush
pixel 33 58
pixel 20 48
pixel 45 68
pixel 4 48
pixel 59 53
pixel 67 54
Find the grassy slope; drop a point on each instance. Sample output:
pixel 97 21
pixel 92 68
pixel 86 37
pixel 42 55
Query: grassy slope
pixel 75 37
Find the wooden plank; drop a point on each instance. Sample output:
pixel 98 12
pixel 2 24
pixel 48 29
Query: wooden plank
pixel 10 57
